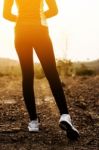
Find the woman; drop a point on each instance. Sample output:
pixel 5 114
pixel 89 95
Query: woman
pixel 31 31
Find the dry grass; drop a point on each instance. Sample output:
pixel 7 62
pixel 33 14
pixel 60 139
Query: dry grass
pixel 65 68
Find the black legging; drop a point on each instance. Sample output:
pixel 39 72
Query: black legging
pixel 27 38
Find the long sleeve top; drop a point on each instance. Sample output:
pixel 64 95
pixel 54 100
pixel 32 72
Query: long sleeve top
pixel 30 11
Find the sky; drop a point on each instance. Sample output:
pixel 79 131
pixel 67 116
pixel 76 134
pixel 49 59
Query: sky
pixel 74 31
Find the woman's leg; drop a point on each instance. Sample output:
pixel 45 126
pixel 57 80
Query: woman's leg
pixel 25 54
pixel 45 54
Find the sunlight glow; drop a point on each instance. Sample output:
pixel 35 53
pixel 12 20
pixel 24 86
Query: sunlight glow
pixel 74 31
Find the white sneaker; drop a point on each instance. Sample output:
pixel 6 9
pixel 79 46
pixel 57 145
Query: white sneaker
pixel 65 124
pixel 33 126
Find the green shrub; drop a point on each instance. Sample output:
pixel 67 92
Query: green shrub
pixel 65 67
pixel 83 70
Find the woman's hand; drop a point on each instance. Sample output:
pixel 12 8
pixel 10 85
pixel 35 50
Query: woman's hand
pixel 7 14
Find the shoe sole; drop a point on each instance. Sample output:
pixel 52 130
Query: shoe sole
pixel 71 133
pixel 31 130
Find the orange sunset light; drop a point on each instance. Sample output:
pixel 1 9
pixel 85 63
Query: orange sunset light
pixel 74 31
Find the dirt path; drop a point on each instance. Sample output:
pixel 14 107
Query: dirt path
pixel 83 103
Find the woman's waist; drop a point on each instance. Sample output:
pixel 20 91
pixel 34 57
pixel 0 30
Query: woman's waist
pixel 30 24
pixel 30 30
pixel 31 21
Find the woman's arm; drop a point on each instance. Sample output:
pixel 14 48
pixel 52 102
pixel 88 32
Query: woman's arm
pixel 53 10
pixel 7 14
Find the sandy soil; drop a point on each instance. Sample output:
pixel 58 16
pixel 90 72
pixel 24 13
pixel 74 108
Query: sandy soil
pixel 83 103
